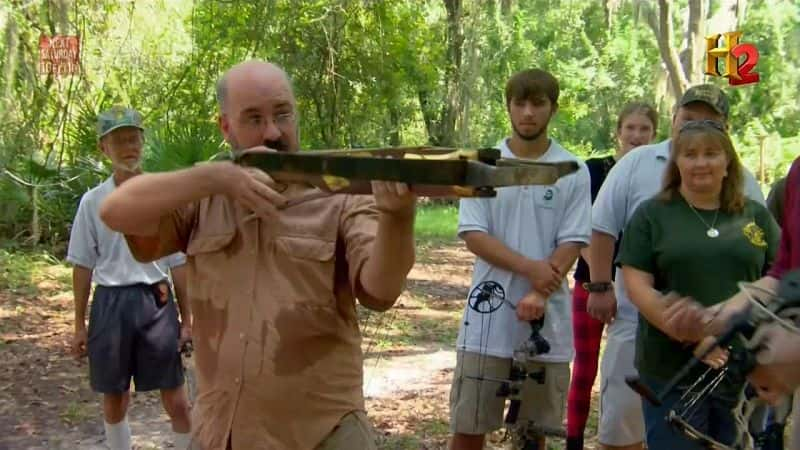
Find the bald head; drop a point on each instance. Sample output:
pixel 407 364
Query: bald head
pixel 248 72
pixel 257 107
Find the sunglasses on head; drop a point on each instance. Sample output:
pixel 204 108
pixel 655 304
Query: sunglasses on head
pixel 700 124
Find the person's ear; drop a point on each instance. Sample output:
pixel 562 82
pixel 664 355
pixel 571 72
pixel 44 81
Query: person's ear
pixel 224 125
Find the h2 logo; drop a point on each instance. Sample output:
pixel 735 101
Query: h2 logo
pixel 730 50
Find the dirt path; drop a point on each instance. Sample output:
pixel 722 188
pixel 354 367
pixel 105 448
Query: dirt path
pixel 46 403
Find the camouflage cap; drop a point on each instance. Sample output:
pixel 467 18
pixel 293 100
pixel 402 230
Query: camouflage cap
pixel 708 94
pixel 117 117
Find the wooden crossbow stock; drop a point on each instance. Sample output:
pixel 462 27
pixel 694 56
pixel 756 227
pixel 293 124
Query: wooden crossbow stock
pixel 430 171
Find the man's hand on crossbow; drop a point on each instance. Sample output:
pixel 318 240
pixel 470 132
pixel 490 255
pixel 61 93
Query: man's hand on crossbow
pixel 689 321
pixel 716 358
pixel 252 188
pixel 395 199
pixel 532 306
pixel 778 357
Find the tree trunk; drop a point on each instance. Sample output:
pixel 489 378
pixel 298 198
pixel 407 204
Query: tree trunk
pixel 394 126
pixel 455 44
pixel 666 47
pixel 428 116
pixel 661 23
pixel 36 229
pixel 695 42
pixel 12 51
pixel 610 8
pixel 727 17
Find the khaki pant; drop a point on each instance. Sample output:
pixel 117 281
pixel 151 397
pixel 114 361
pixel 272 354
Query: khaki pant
pixel 354 432
pixel 475 407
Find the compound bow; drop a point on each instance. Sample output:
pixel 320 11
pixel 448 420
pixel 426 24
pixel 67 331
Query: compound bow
pixel 784 308
pixel 486 298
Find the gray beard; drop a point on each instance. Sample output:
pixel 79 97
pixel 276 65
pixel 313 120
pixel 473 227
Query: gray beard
pixel 130 168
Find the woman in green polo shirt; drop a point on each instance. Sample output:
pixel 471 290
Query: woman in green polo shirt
pixel 698 237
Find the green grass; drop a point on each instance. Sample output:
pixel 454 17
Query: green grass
pixel 436 223
pixel 395 328
pixel 20 271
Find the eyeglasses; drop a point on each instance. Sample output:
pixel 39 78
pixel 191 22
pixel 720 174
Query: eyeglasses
pixel 700 124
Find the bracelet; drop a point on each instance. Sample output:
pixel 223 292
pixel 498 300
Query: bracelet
pixel 598 286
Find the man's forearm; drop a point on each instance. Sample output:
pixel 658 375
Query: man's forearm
pixel 565 255
pixel 585 254
pixel 179 280
pixel 81 286
pixel 739 301
pixel 384 275
pixel 495 252
pixel 138 205
pixel 601 254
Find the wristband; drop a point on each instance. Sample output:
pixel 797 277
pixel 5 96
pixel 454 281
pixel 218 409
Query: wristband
pixel 598 287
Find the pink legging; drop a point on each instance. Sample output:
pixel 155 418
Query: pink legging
pixel 587 333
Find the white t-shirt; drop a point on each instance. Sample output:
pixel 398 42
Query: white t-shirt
pixel 635 178
pixel 95 246
pixel 533 221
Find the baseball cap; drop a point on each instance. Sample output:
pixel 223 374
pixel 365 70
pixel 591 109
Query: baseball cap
pixel 708 94
pixel 117 117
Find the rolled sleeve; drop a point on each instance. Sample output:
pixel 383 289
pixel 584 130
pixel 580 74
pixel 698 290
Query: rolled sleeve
pixel 83 246
pixel 174 231
pixel 577 222
pixel 359 225
pixel 176 260
pixel 473 215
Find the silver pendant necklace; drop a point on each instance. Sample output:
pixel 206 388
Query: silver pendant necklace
pixel 711 232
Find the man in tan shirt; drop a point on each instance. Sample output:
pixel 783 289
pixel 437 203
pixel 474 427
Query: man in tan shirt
pixel 279 362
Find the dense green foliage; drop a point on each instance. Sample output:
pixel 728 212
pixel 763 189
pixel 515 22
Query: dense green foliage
pixel 366 73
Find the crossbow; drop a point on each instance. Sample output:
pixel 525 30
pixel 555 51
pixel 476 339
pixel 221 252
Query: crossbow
pixel 486 298
pixel 763 308
pixel 430 171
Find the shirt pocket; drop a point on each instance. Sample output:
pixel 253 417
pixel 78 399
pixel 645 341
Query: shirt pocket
pixel 209 257
pixel 307 277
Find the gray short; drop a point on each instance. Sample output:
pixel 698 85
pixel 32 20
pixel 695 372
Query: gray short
pixel 132 333
pixel 621 417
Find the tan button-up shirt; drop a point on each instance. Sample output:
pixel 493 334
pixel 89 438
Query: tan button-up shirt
pixel 277 344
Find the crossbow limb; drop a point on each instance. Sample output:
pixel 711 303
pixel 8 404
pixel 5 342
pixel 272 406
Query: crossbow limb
pixel 430 171
pixel 782 308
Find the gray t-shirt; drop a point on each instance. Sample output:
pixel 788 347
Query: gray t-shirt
pixel 533 221
pixel 95 246
pixel 635 178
